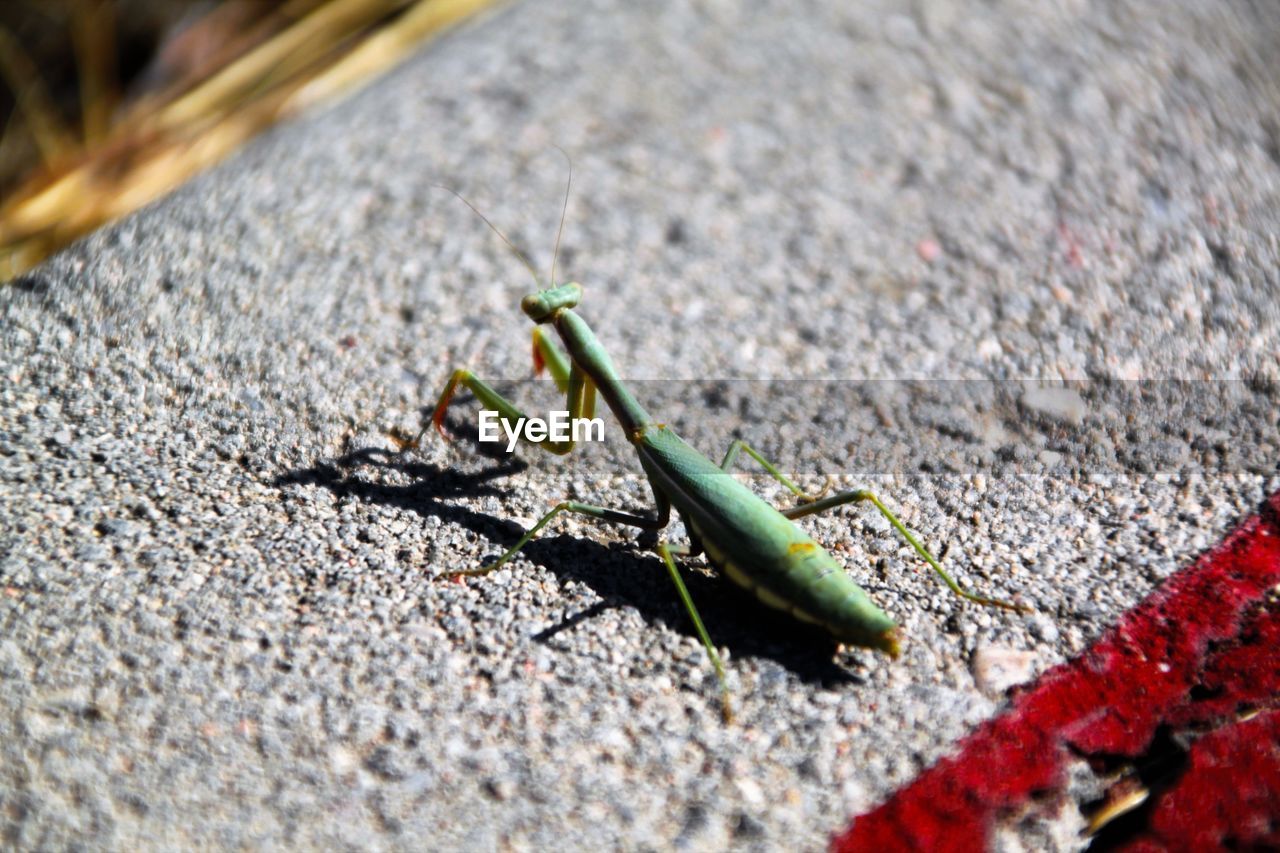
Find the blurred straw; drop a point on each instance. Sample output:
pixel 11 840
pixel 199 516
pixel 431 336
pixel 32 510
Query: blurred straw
pixel 93 30
pixel 47 130
pixel 301 54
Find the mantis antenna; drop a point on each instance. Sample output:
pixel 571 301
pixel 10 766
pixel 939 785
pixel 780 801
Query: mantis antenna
pixel 519 254
pixel 555 255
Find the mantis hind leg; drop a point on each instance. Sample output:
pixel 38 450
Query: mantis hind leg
pixel 731 456
pixel 666 550
pixel 859 495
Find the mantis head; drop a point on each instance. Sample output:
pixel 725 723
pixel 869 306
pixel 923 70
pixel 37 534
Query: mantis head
pixel 543 305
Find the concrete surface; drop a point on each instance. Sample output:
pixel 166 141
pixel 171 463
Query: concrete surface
pixel 219 625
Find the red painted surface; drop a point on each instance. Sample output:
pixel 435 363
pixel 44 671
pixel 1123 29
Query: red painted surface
pixel 1201 648
pixel 1229 796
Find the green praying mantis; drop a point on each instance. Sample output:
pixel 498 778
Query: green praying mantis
pixel 758 547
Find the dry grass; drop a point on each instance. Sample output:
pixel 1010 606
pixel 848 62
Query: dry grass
pixel 232 77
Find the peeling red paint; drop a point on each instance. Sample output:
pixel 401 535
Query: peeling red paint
pixel 1229 796
pixel 1196 652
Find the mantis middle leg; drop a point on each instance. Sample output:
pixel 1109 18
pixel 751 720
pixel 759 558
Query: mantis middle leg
pixel 659 521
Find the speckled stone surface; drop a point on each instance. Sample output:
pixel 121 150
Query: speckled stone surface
pixel 219 618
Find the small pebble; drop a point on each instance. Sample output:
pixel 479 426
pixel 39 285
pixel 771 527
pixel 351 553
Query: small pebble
pixel 1059 404
pixel 997 668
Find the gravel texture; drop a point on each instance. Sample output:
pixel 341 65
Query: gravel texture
pixel 219 621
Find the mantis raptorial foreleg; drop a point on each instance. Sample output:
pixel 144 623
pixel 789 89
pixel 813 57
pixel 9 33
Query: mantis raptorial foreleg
pixel 547 354
pixel 580 393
